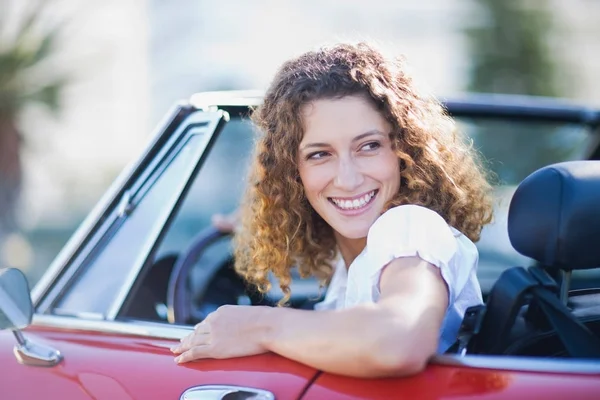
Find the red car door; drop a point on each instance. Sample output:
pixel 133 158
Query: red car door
pixel 112 366
pixel 499 377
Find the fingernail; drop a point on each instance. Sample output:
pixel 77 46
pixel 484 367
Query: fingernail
pixel 174 349
pixel 177 359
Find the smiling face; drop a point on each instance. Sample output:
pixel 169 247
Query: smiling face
pixel 346 163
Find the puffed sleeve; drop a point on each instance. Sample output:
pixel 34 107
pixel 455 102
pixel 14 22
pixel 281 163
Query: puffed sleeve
pixel 411 230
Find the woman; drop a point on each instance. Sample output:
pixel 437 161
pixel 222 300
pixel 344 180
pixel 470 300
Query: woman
pixel 364 183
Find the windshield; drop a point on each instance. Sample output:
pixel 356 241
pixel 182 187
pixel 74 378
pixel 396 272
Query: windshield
pixel 514 149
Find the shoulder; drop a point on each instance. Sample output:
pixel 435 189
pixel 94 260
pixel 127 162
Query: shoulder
pixel 411 230
pixel 412 225
pixel 410 214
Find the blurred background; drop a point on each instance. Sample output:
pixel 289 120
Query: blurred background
pixel 82 84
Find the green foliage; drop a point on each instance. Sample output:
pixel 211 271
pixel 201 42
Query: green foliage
pixel 27 45
pixel 511 53
pixel 24 52
pixel 510 49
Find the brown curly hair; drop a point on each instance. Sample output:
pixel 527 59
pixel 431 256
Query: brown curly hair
pixel 439 169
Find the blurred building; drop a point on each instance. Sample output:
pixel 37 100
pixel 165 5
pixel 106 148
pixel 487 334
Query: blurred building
pixel 201 45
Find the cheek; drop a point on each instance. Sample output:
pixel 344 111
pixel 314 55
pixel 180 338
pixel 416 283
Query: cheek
pixel 388 171
pixel 313 180
pixel 394 171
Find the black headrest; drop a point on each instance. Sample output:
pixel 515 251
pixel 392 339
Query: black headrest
pixel 554 216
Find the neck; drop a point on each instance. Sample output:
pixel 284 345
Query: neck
pixel 350 248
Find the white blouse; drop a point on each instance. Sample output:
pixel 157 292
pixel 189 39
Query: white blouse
pixel 407 231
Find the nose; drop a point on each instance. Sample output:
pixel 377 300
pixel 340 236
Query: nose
pixel 348 177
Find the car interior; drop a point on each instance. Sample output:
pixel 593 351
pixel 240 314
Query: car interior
pixel 531 309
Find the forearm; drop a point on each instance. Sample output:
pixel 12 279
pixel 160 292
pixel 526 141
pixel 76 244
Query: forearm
pixel 394 336
pixel 365 341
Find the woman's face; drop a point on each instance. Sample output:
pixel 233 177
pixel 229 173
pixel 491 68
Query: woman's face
pixel 346 163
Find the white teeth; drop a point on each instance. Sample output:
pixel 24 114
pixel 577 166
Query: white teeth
pixel 354 204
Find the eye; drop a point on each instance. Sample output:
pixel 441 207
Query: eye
pixel 370 146
pixel 317 155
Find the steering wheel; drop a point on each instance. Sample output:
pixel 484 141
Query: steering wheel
pixel 179 295
pixel 221 286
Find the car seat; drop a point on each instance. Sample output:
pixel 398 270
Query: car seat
pixel 554 219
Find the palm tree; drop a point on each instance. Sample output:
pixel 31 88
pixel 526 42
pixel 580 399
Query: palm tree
pixel 25 50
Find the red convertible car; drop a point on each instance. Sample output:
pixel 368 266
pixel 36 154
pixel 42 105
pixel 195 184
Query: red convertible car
pixel 146 265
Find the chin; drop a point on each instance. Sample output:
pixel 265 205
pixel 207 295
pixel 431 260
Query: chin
pixel 353 233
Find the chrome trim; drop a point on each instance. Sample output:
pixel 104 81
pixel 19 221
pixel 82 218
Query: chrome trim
pixel 78 314
pixel 134 328
pixel 207 100
pixel 221 392
pixel 206 133
pixel 528 364
pixel 84 229
pixel 176 332
pixel 36 354
pixel 21 341
pixel 157 227
pixel 126 205
pixel 564 286
pixel 541 107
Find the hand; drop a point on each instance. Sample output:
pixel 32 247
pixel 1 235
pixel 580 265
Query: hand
pixel 226 223
pixel 231 331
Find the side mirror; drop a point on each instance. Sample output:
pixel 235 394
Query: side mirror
pixel 16 310
pixel 16 313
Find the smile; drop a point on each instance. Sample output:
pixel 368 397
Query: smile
pixel 355 203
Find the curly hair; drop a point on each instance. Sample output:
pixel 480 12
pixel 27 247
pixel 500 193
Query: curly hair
pixel 439 169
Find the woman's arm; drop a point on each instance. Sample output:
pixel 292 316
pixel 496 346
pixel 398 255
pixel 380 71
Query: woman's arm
pixel 395 336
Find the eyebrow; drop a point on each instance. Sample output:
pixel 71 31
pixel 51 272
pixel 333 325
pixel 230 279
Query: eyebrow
pixel 356 139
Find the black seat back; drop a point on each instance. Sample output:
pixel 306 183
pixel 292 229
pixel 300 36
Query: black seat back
pixel 554 218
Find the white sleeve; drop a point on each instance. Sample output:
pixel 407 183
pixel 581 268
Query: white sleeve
pixel 411 230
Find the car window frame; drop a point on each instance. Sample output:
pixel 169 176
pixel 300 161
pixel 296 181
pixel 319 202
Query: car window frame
pixel 177 125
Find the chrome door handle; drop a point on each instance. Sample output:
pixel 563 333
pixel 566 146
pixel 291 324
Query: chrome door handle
pixel 225 392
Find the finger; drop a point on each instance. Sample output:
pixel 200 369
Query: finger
pixel 195 353
pixel 202 328
pixel 191 341
pixel 187 340
pixel 222 223
pixel 179 348
pixel 176 348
